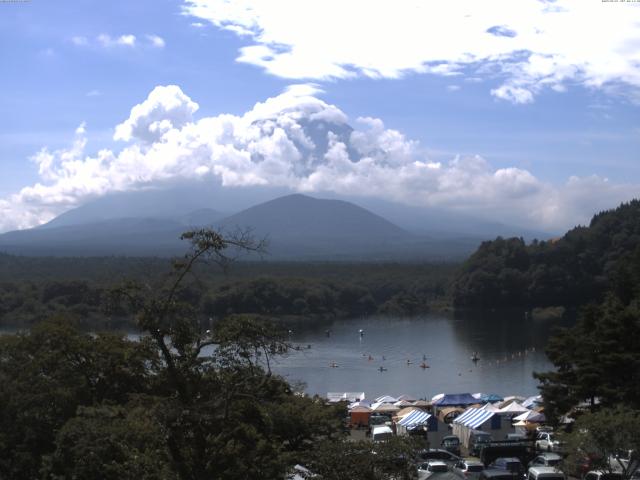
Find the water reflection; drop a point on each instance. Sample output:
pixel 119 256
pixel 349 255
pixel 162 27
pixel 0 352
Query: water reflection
pixel 420 356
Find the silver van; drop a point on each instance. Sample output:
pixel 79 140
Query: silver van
pixel 545 473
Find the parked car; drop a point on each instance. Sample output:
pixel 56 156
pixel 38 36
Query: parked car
pixel 439 454
pixel 545 473
pixel 509 464
pixel 426 469
pixel 496 474
pixel 546 459
pixel 600 475
pixel 381 434
pixel 547 442
pixel 451 443
pixel 477 439
pixel 469 469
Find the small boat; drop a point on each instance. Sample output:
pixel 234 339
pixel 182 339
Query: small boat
pixel 382 369
pixel 424 365
pixel 333 365
pixel 409 362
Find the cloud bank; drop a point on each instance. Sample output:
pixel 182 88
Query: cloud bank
pixel 528 45
pixel 297 141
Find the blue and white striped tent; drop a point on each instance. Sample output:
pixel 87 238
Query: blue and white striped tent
pixel 473 417
pixel 487 420
pixel 414 419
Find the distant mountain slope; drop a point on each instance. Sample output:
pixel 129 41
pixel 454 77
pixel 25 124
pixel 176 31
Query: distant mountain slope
pixel 573 270
pixel 122 236
pixel 300 216
pixel 170 203
pixel 298 228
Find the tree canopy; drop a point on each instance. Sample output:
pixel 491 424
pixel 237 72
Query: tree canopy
pixel 573 270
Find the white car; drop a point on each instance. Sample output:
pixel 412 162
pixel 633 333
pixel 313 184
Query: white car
pixel 546 459
pixel 546 442
pixel 469 469
pixel 426 469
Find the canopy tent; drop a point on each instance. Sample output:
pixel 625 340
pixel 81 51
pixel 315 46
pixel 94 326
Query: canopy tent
pixel 473 417
pixel 531 416
pixel 532 401
pixel 488 397
pixel 514 407
pixel 384 407
pixel 406 411
pixel 510 399
pixel 360 415
pixel 361 403
pixel 415 418
pixel 407 398
pixel 422 403
pixel 403 403
pixel 386 399
pixel 447 414
pixel 437 397
pixel 489 407
pixel 335 397
pixel 455 399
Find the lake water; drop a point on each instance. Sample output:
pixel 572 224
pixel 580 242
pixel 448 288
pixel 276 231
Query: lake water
pixel 510 348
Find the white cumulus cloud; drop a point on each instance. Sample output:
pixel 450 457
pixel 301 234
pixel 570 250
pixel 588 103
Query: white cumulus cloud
pixel 529 45
pixel 299 142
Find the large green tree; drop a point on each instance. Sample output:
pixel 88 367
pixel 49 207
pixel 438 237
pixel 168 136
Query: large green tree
pixel 609 439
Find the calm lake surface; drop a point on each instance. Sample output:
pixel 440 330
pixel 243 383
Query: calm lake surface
pixel 510 348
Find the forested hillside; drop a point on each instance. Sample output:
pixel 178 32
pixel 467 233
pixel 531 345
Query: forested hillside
pixel 573 270
pixel 33 289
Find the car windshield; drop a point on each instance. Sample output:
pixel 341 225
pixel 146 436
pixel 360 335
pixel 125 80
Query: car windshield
pixel 451 442
pixel 483 439
pixel 437 468
pixel 553 462
pixel 475 468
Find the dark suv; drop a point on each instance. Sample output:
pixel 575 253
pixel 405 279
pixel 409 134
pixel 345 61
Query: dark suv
pixel 509 464
pixel 451 443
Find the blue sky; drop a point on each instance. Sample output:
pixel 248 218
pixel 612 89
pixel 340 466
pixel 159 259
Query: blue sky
pixel 546 95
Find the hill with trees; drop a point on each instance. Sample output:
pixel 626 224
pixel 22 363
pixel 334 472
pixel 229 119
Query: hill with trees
pixel 570 271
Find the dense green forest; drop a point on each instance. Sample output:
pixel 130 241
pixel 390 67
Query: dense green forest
pixel 571 271
pixel 32 289
pixel 76 405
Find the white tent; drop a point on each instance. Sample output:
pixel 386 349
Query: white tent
pixel 335 397
pixel 490 407
pixel 384 407
pixel 386 399
pixel 407 398
pixel 530 416
pixel 514 407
